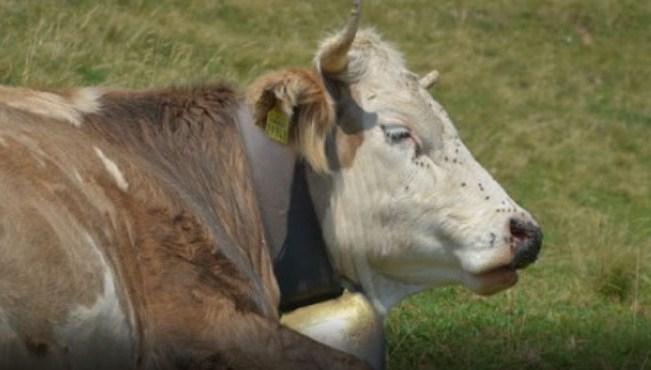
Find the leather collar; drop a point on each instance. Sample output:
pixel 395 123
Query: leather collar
pixel 292 230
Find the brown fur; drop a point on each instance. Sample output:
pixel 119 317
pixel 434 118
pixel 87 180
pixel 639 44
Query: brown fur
pixel 185 241
pixel 301 94
pixel 347 145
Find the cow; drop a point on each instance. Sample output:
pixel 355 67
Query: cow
pixel 132 224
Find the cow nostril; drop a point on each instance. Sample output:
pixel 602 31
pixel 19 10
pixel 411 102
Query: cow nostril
pixel 518 230
pixel 527 239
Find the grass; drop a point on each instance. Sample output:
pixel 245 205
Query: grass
pixel 552 97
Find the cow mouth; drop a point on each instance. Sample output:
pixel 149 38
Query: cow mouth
pixel 495 280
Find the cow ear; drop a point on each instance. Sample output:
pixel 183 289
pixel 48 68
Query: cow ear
pixel 293 107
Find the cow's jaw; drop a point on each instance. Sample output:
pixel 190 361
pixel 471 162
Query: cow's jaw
pixel 402 215
pixel 396 231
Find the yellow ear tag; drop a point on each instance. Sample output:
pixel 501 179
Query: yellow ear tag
pixel 277 127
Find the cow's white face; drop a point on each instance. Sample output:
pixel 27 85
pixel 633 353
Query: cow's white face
pixel 410 208
pixel 403 204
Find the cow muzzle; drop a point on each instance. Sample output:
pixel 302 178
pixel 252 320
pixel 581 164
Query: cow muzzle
pixel 526 242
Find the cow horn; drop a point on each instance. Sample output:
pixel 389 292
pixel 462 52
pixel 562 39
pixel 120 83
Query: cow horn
pixel 335 58
pixel 429 79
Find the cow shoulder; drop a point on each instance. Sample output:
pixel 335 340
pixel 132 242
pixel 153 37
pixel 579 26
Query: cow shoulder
pixel 196 180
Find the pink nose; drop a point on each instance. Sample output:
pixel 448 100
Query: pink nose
pixel 527 238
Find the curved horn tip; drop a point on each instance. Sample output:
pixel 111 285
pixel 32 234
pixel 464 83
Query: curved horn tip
pixel 334 60
pixel 429 79
pixel 354 16
pixel 357 5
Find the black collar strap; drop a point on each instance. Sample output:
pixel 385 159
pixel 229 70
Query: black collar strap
pixel 292 230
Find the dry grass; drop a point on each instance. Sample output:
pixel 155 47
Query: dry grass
pixel 552 96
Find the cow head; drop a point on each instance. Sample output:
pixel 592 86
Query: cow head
pixel 403 204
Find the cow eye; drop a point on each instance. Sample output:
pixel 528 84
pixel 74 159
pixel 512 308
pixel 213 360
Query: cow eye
pixel 396 133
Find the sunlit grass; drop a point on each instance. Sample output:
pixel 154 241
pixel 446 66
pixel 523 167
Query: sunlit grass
pixel 552 96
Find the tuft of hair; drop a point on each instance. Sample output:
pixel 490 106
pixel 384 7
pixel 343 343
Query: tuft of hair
pixel 301 95
pixel 68 106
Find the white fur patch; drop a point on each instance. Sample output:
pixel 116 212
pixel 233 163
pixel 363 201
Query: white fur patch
pixel 100 328
pixel 113 169
pixel 107 304
pixel 65 108
pixel 78 176
pixel 86 100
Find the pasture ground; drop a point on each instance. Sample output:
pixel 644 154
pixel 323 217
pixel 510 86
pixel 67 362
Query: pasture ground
pixel 552 96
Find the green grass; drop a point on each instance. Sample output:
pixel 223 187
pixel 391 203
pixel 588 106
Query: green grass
pixel 552 96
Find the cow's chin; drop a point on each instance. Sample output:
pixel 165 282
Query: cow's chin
pixel 493 281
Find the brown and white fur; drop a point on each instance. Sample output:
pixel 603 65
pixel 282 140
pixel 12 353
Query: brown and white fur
pixel 130 236
pixel 403 204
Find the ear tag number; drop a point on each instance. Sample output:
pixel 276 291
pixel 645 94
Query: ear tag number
pixel 277 127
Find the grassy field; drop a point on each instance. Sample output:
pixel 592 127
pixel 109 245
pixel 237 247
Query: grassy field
pixel 552 96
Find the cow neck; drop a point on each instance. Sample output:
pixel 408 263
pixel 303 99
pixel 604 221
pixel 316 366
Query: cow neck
pixel 292 230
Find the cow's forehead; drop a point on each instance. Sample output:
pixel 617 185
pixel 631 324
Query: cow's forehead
pixel 382 84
